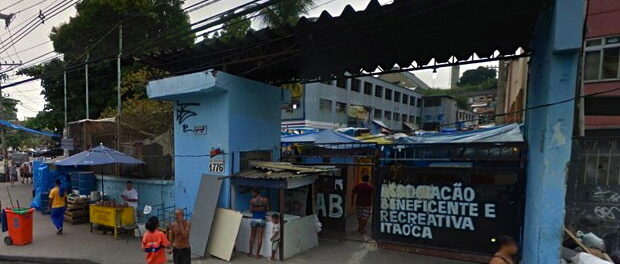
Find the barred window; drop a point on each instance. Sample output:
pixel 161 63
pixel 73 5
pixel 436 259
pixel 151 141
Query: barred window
pixel 325 105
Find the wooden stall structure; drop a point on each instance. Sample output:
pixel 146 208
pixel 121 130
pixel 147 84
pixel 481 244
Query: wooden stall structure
pixel 335 191
pixel 298 227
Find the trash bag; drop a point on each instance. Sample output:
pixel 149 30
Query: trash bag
pixel 612 241
pixel 591 240
pixel 585 258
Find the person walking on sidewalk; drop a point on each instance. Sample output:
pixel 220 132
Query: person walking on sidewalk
pixel 362 200
pixel 13 173
pixel 57 206
pixel 179 237
pixel 154 242
pixel 507 247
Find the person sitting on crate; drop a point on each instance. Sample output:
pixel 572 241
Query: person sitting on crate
pixel 57 205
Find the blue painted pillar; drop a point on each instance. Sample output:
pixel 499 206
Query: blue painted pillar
pixel 554 72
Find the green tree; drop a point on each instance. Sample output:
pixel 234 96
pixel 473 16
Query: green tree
pixel 139 112
pixel 147 27
pixel 286 12
pixel 234 28
pixel 477 76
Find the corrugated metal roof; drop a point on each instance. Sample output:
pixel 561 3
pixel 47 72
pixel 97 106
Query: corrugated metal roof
pixel 282 170
pixel 378 36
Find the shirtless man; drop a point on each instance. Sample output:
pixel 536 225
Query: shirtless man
pixel 179 237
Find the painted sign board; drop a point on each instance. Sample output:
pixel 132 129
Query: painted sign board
pixel 441 208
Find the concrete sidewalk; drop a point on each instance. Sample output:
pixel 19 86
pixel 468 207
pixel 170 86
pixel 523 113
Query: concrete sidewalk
pixel 79 243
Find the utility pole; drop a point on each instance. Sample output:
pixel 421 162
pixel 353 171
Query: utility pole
pixel 118 87
pixel 66 129
pixel 5 153
pixel 86 70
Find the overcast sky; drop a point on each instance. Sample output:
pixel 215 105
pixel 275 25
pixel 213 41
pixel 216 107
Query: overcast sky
pixel 37 43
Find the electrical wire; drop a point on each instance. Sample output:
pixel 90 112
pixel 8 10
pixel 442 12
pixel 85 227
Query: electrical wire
pixel 31 6
pixel 31 26
pixel 536 107
pixel 227 13
pixel 11 5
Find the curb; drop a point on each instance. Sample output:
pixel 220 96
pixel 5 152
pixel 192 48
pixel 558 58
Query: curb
pixel 44 260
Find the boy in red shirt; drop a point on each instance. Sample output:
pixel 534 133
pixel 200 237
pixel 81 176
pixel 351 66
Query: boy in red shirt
pixel 154 242
pixel 362 200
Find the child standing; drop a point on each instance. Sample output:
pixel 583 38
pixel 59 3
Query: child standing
pixel 154 242
pixel 275 236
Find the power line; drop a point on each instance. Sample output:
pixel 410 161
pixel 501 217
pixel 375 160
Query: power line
pixel 29 19
pixel 33 24
pixel 537 106
pixel 11 5
pixel 224 16
pixel 31 6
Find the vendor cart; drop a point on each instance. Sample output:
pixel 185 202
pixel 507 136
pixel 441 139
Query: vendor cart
pixel 111 216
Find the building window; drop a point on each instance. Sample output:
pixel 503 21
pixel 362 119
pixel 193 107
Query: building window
pixel 418 120
pixel 397 97
pixel 412 119
pixel 388 94
pixel 325 105
pixel 404 118
pixel 432 101
pixel 419 102
pixel 355 85
pixel 377 114
pixel 412 101
pixel 378 91
pixel 367 88
pixel 341 107
pixel 388 115
pixel 396 117
pixel 602 59
pixel 341 83
pixel 405 99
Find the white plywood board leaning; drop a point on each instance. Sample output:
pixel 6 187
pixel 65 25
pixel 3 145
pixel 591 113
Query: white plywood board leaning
pixel 300 235
pixel 204 210
pixel 224 233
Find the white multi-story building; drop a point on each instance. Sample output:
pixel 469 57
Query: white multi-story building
pixel 354 102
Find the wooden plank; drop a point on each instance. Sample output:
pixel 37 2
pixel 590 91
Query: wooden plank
pixel 224 233
pixel 574 238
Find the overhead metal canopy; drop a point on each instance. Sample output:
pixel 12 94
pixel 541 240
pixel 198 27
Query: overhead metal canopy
pixel 397 34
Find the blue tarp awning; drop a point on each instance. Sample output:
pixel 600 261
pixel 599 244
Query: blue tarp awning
pixel 326 136
pixel 308 137
pixel 25 129
pixel 503 133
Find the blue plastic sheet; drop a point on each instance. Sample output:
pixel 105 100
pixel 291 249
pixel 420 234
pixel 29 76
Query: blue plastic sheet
pixel 44 180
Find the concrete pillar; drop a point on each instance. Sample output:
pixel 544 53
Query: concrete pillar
pixel 558 38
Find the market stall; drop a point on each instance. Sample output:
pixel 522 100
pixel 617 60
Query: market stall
pixel 288 187
pixel 103 213
pixel 111 215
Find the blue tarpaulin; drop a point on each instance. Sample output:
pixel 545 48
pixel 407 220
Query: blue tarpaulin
pixel 25 129
pixel 326 136
pixel 43 180
pixel 503 133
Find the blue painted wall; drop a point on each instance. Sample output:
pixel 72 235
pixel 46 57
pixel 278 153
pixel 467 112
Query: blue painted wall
pixel 156 193
pixel 240 115
pixel 549 129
